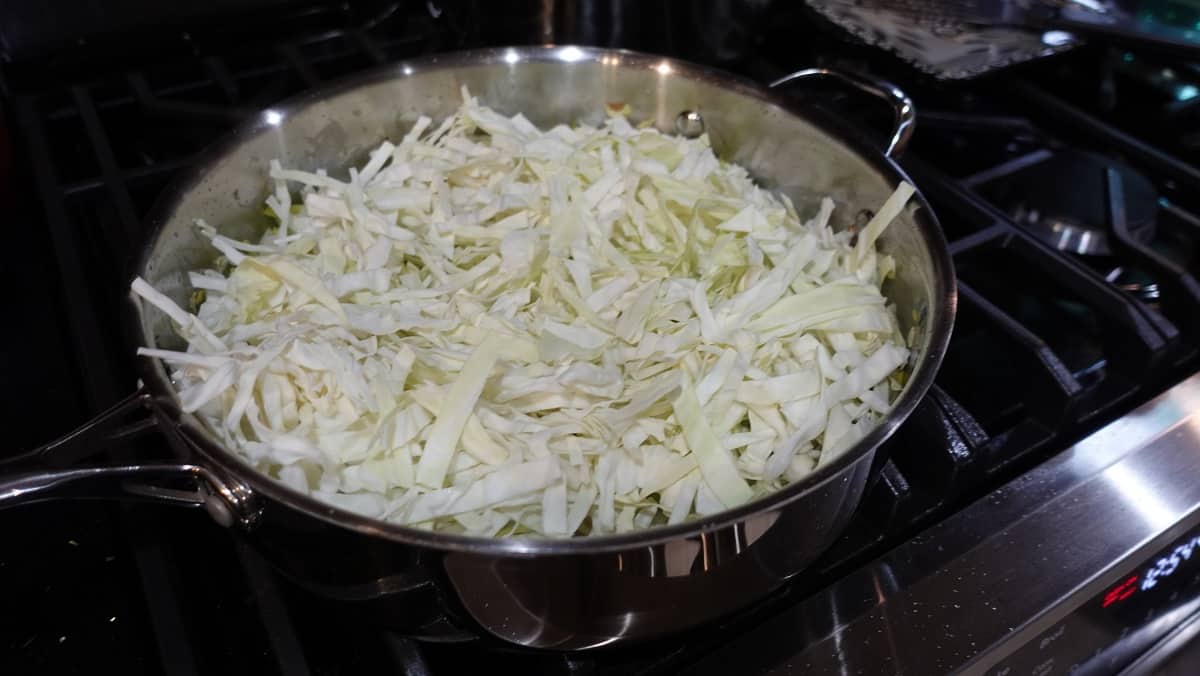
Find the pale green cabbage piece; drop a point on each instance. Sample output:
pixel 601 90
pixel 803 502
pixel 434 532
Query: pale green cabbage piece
pixel 496 330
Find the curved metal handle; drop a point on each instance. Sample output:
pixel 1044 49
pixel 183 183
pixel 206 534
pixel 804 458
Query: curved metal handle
pixel 902 106
pixel 183 485
pixel 39 475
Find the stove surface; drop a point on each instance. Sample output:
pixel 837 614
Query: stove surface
pixel 1064 401
pixel 1056 567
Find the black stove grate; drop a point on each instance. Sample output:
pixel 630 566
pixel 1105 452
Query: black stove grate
pixel 1045 350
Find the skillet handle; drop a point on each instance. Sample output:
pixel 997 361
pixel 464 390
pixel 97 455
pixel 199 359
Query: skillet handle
pixel 902 106
pixel 45 473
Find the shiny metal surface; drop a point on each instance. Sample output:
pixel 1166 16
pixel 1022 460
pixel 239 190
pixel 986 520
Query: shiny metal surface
pixel 28 478
pixel 970 591
pixel 146 482
pixel 903 109
pixel 184 485
pixel 689 124
pixel 548 593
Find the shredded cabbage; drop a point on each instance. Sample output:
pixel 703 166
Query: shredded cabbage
pixel 496 330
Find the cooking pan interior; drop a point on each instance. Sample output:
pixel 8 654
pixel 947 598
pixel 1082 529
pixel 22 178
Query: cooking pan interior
pixel 334 130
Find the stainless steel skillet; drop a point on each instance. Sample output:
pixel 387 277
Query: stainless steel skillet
pixel 547 593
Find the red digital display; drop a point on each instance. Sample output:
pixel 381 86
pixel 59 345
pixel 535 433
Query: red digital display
pixel 1120 592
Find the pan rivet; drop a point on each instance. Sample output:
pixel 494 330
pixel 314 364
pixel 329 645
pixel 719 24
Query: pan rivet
pixel 689 124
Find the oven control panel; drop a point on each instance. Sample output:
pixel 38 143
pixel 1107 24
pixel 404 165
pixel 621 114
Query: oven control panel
pixel 1113 628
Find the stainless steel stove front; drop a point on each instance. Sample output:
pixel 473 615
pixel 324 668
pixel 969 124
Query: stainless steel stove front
pixel 1077 566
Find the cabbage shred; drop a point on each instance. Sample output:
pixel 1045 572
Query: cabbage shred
pixel 496 330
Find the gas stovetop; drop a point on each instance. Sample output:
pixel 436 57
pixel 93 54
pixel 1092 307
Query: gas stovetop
pixel 1050 461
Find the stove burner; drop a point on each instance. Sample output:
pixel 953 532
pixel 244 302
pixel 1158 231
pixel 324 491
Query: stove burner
pixel 1061 201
